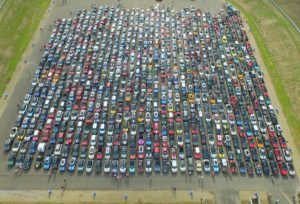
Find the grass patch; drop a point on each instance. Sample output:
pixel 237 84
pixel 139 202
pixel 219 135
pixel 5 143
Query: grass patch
pixel 279 45
pixel 292 8
pixel 18 21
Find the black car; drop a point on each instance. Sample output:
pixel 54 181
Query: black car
pixel 7 144
pixel 27 162
pixel 274 168
pixel 114 167
pixel 165 166
pixel 157 166
pixel 98 166
pixel 19 159
pixel 81 165
pixel 54 163
pixel 39 161
pixel 265 167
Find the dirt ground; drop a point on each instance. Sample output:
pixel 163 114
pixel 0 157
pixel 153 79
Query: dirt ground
pixel 59 196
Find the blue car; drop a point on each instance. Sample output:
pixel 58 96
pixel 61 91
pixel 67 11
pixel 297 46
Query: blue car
pixel 242 168
pixel 53 139
pixel 32 147
pixel 62 165
pixel 164 132
pixel 47 163
pixel 72 164
pixel 148 142
pixel 249 132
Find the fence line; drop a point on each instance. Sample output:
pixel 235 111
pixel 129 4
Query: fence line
pixel 286 15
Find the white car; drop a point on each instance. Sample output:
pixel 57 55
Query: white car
pixel 123 166
pixel 213 151
pixel 206 164
pixel 287 155
pixel 93 140
pixel 102 129
pixel 182 166
pixel 92 152
pixel 13 132
pixel 57 150
pixel 224 164
pixel 89 166
pixel 179 140
pixel 291 169
pixel 16 146
pixel 262 154
pixel 148 166
pixel 106 166
pixel 174 166
pixel 198 166
pixel 133 130
pixel 148 117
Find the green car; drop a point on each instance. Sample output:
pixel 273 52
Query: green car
pixel 132 166
pixel 11 160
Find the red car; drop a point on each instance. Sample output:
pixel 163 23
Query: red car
pixel 156 143
pixel 283 168
pixel 89 119
pixel 219 140
pixel 274 142
pixel 69 138
pixel 233 166
pixel 164 153
pixel 141 152
pixel 132 154
pixel 197 153
pixel 251 142
pixel 282 142
pixel 195 131
pixel 155 128
pixel 49 124
pixel 163 109
pixel 278 155
pixel 99 154
pixel 241 131
pixel 271 131
pixel 250 110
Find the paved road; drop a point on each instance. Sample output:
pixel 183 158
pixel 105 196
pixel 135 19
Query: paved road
pixel 225 188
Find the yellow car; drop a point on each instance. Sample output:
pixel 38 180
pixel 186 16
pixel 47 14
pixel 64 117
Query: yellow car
pixel 21 135
pixel 141 117
pixel 125 127
pixel 55 78
pixel 128 97
pixel 259 142
pixel 178 129
pixel 191 98
pixel 170 107
pixel 240 76
pixel 113 110
pixel 44 74
pixel 221 153
pixel 224 39
pixel 212 100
